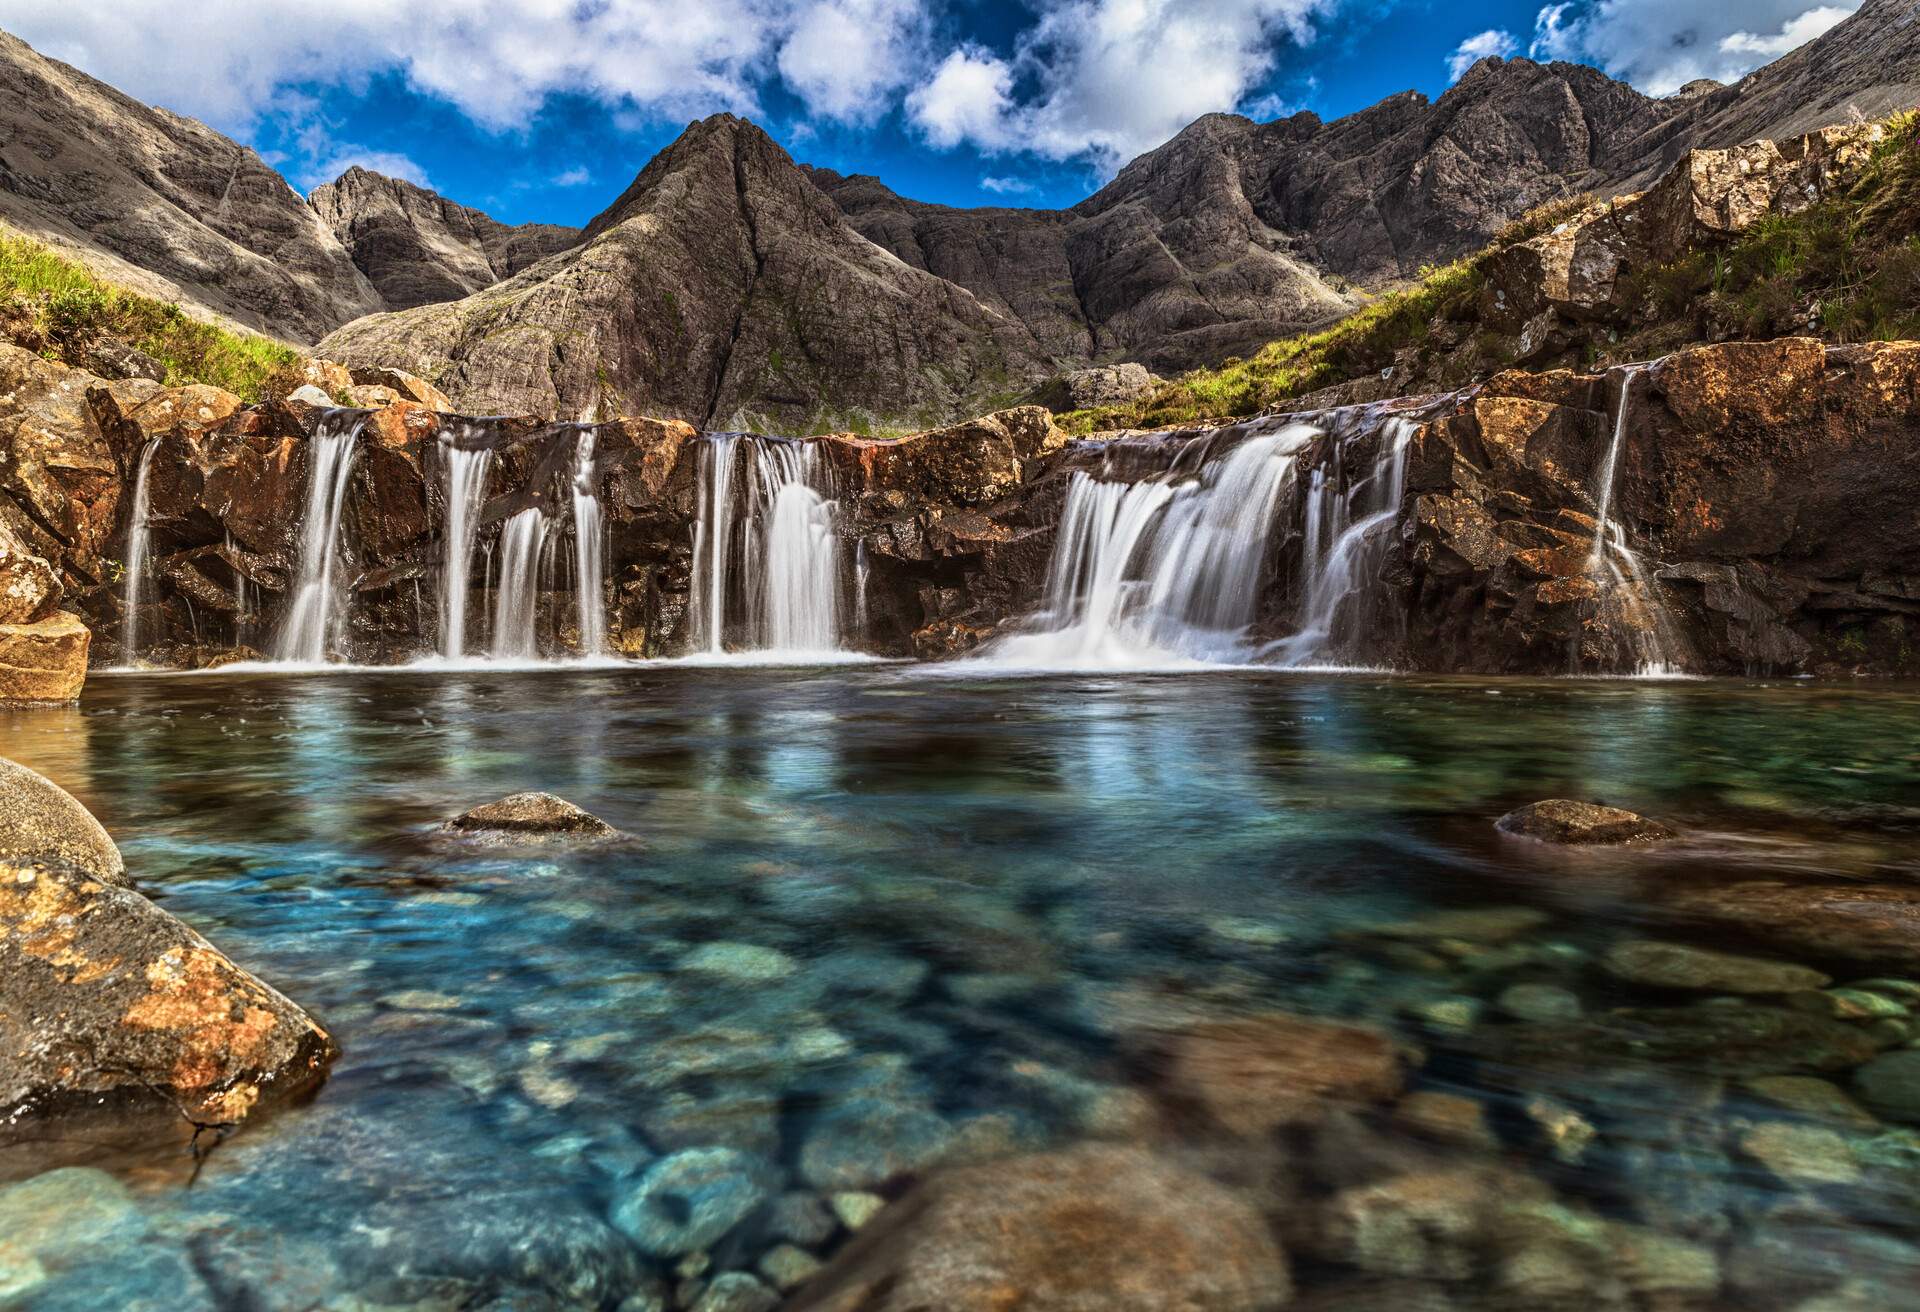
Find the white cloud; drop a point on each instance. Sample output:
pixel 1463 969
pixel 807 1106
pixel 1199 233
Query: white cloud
pixel 1661 45
pixel 574 177
pixel 1476 48
pixel 1108 79
pixel 1006 186
pixel 848 59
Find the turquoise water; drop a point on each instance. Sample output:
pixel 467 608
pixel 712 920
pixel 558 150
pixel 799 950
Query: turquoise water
pixel 879 918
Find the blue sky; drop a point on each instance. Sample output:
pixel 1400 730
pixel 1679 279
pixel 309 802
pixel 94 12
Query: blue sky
pixel 545 109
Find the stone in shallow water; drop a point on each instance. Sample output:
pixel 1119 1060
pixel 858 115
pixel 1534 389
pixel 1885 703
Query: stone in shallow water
pixel 689 1201
pixel 803 1218
pixel 855 1208
pixel 1583 824
pixel 736 1291
pixel 1801 1154
pixel 742 963
pixel 1447 1117
pixel 1890 1085
pixel 1870 923
pixel 1676 966
pixel 1810 1095
pixel 1254 1075
pixel 870 1141
pixel 1475 925
pixel 530 816
pixel 1740 1039
pixel 1539 1002
pixel 1097 1227
pixel 788 1267
pixel 41 821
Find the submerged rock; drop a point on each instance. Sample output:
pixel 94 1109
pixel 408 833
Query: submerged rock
pixel 689 1201
pixel 1676 966
pixel 1255 1075
pixel 1582 824
pixel 41 821
pixel 1107 1227
pixel 107 1003
pixel 1869 923
pixel 537 817
pixel 1891 1085
pixel 1712 1039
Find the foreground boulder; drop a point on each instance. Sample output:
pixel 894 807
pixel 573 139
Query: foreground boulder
pixel 110 1005
pixel 45 661
pixel 39 820
pixel 529 816
pixel 1098 1227
pixel 1583 824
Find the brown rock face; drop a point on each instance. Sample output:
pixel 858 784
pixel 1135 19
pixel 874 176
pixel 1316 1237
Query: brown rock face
pixel 40 821
pixel 417 247
pixel 45 661
pixel 721 288
pixel 1558 820
pixel 1253 1076
pixel 1093 1229
pixel 110 1006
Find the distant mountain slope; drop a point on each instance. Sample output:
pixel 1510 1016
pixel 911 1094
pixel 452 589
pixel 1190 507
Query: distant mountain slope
pixel 417 247
pixel 722 287
pixel 165 204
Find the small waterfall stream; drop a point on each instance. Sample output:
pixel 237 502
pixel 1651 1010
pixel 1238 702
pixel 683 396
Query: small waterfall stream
pixel 516 606
pixel 589 560
pixel 311 630
pixel 139 546
pixel 1630 600
pixel 778 566
pixel 467 470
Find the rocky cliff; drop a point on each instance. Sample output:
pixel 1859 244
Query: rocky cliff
pixel 417 247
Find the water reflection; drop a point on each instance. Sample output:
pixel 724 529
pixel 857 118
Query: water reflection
pixel 1256 926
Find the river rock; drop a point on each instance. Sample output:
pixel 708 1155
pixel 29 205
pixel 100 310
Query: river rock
pixel 1737 1040
pixel 45 661
pixel 689 1201
pixel 1096 1227
pixel 1890 1084
pixel 1875 924
pixel 1255 1075
pixel 1581 824
pixel 108 1003
pixel 869 1141
pixel 1809 1095
pixel 1539 1002
pixel 1447 1117
pixel 1801 1154
pixel 537 817
pixel 1676 966
pixel 41 821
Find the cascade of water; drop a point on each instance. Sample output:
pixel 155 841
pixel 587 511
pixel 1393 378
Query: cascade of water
pixel 785 563
pixel 516 603
pixel 860 574
pixel 589 568
pixel 1164 569
pixel 139 541
pixel 467 470
pixel 314 615
pixel 1629 599
pixel 242 591
pixel 1328 579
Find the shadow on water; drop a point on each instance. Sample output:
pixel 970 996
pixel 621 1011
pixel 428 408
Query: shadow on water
pixel 880 921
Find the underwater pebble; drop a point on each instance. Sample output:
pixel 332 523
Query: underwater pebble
pixel 1677 966
pixel 421 1000
pixel 787 1267
pixel 1447 1117
pixel 1811 1096
pixel 855 1208
pixel 1539 1002
pixel 690 1200
pixel 1565 1130
pixel 1801 1154
pixel 1448 1015
pixel 869 1141
pixel 745 963
pixel 736 1291
pixel 802 1218
pixel 1890 1084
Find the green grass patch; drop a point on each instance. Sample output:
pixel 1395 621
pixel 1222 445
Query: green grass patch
pixel 52 305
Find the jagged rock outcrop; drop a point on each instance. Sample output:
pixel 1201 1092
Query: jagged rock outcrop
pixel 722 288
pixel 417 247
pixel 164 204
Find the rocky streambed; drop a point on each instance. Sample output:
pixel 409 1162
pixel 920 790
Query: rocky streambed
pixel 895 990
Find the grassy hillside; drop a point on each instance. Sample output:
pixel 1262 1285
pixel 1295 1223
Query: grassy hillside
pixel 50 304
pixel 1847 269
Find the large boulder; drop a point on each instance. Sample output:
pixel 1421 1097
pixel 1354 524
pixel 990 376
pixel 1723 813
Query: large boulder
pixel 110 1006
pixel 1101 1228
pixel 29 586
pixel 1101 385
pixel 45 661
pixel 1254 1075
pixel 41 821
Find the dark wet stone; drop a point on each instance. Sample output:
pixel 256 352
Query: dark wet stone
pixel 110 1005
pixel 1710 1039
pixel 1105 1227
pixel 1890 1084
pixel 530 816
pixel 689 1201
pixel 1876 924
pixel 41 821
pixel 1586 824
pixel 1677 966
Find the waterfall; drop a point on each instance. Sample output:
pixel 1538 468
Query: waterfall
pixel 1630 601
pixel 589 567
pixel 517 601
pixel 1166 570
pixel 861 571
pixel 314 616
pixel 781 559
pixel 467 471
pixel 1356 521
pixel 139 542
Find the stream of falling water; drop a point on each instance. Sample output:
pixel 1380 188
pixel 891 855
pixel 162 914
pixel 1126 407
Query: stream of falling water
pixel 139 544
pixel 314 616
pixel 1629 599
pixel 780 560
pixel 1165 571
pixel 589 561
pixel 516 611
pixel 466 492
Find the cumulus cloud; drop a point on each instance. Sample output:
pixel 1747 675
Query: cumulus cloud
pixel 1661 45
pixel 1107 79
pixel 1006 186
pixel 1476 48
pixel 848 59
pixel 574 177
